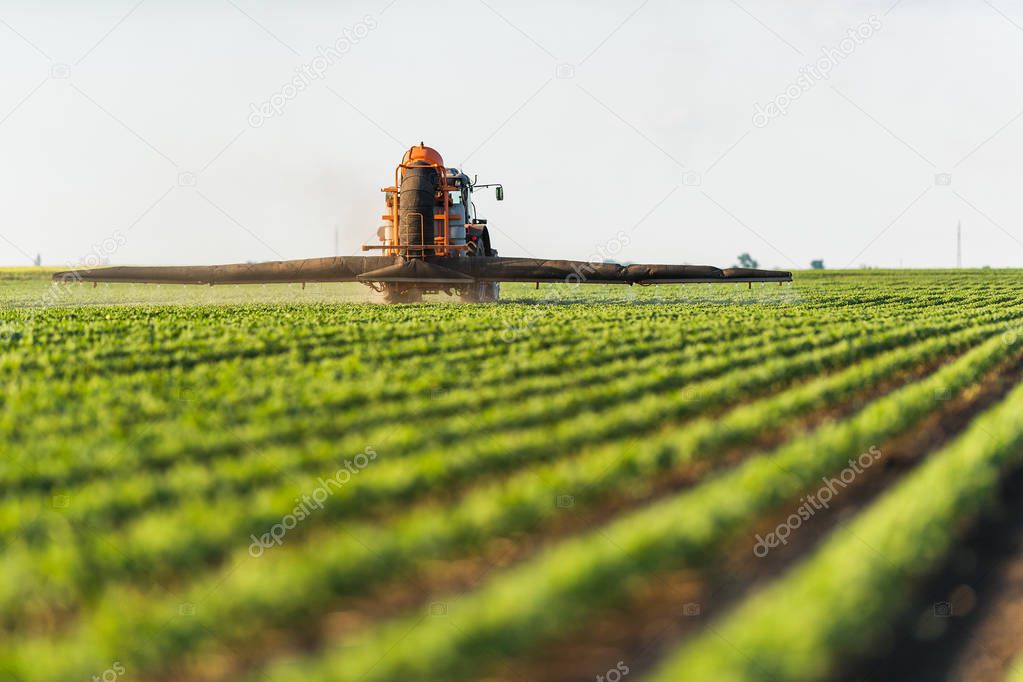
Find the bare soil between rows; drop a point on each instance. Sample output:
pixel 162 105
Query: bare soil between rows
pixel 968 622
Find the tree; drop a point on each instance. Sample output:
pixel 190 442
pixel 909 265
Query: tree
pixel 746 261
pixel 817 264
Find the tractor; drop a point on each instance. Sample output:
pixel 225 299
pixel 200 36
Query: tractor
pixel 431 240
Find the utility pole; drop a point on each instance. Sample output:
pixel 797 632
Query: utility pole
pixel 959 244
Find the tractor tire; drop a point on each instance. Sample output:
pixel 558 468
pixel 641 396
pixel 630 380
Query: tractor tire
pixel 481 292
pixel 493 291
pixel 394 293
pixel 471 292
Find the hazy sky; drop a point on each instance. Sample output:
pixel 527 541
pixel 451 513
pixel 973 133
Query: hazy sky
pixel 132 124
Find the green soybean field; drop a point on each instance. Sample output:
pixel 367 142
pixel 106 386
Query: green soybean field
pixel 815 481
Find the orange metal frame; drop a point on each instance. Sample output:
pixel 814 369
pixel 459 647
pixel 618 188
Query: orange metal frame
pixel 441 243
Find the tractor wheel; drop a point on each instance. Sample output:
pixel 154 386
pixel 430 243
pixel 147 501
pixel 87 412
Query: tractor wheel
pixel 471 292
pixel 481 292
pixel 396 294
pixel 493 291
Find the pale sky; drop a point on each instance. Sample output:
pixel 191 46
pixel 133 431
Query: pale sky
pixel 131 123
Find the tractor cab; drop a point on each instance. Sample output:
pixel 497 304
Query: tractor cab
pixel 464 225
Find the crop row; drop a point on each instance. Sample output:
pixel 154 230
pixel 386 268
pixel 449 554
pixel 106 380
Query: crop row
pixel 93 407
pixel 102 500
pixel 309 402
pixel 842 600
pixel 134 338
pixel 549 593
pixel 204 383
pixel 164 543
pixel 199 532
pixel 302 402
pixel 552 593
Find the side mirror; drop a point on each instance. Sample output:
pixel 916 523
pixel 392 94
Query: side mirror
pixel 500 193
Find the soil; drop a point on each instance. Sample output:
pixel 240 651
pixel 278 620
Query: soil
pixel 968 624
